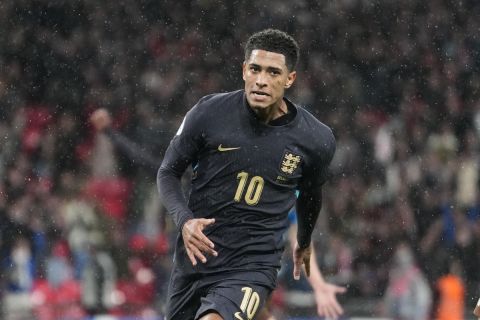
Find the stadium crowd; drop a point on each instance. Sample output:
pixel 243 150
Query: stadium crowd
pixel 81 226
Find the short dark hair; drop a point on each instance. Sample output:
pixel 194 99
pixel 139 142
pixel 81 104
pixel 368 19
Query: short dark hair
pixel 275 41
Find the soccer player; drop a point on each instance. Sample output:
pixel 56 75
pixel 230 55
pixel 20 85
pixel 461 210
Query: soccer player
pixel 251 150
pixel 324 292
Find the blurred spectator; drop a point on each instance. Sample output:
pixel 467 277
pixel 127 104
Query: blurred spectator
pixel 143 152
pixel 451 293
pixel 408 295
pixel 19 272
pixel 59 267
pixel 98 281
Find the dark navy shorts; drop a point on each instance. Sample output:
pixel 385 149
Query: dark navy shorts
pixel 234 295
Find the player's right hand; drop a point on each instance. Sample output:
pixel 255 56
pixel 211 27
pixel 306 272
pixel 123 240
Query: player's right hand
pixel 196 243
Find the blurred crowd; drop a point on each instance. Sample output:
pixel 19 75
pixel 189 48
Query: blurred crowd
pixel 82 230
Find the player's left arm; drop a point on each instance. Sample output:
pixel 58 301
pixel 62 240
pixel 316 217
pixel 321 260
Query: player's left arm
pixel 308 206
pixel 309 202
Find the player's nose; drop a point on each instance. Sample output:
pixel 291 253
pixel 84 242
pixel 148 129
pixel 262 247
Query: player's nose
pixel 261 80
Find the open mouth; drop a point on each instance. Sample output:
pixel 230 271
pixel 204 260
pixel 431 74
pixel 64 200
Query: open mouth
pixel 260 93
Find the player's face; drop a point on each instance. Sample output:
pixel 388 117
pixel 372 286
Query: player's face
pixel 266 77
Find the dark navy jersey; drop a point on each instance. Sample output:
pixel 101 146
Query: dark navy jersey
pixel 245 175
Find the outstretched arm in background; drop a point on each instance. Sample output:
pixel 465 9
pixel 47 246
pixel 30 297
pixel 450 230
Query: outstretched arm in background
pixel 102 122
pixel 325 293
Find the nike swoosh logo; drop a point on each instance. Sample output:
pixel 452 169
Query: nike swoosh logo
pixel 222 149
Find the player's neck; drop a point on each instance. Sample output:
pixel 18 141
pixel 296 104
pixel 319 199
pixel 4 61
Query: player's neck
pixel 271 113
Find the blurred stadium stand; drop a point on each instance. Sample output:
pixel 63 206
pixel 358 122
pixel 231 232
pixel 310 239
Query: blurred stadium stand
pixel 398 82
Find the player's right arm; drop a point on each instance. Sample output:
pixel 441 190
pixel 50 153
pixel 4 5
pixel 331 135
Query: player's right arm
pixel 182 151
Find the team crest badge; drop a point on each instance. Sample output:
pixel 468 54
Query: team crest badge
pixel 290 162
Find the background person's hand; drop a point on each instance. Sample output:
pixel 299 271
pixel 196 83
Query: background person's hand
pixel 101 119
pixel 196 243
pixel 326 299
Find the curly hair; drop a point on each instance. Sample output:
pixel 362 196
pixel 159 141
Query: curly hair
pixel 275 41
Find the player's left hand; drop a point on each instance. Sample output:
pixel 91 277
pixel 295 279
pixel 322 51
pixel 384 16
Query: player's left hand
pixel 326 299
pixel 301 256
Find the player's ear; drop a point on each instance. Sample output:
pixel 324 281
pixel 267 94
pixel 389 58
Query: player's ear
pixel 290 79
pixel 244 69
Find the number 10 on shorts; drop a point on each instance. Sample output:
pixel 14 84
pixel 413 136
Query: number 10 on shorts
pixel 249 305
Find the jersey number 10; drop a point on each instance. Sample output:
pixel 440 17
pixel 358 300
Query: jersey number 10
pixel 250 304
pixel 254 189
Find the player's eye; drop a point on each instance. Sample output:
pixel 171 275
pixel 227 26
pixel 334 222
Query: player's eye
pixel 254 68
